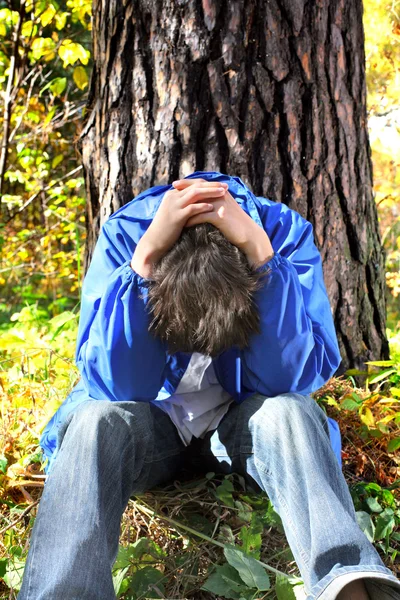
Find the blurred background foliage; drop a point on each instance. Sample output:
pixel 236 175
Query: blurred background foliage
pixel 45 64
pixel 382 50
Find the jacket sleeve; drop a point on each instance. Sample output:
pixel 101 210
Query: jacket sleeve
pixel 117 357
pixel 297 348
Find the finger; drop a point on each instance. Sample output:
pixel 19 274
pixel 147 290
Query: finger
pixel 194 194
pixel 201 217
pixel 183 184
pixel 196 209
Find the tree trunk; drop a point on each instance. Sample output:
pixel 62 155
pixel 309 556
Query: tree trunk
pixel 270 90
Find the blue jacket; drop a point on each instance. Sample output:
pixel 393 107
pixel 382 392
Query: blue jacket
pixel 296 350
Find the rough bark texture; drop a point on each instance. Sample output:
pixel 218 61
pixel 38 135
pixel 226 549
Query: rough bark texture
pixel 270 90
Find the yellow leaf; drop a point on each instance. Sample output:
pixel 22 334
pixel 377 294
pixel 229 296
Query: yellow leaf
pixel 48 15
pixel 43 47
pixel 80 77
pixel 368 418
pixel 61 20
pixel 57 160
pixel 70 52
pixel 29 29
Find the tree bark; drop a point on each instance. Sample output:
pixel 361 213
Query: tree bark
pixel 270 90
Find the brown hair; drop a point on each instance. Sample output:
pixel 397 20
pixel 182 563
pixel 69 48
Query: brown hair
pixel 201 297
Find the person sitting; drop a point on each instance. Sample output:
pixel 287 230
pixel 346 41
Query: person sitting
pixel 205 325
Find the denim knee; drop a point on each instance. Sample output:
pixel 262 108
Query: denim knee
pixel 280 419
pixel 111 421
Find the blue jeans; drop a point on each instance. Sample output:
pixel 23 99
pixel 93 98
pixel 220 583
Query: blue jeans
pixel 111 450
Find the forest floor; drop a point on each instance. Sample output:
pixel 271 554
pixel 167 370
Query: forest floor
pixel 182 541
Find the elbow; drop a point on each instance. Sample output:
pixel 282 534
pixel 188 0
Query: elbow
pixel 320 366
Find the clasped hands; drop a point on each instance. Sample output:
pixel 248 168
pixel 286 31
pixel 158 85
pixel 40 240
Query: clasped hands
pixel 195 201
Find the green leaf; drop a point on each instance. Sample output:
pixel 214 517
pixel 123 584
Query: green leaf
pixel 144 579
pixel 366 524
pixel 250 570
pixel 393 444
pixel 3 566
pixel 57 160
pixel 199 523
pixel 119 576
pixel 374 505
pixel 58 85
pixel 355 372
pixel 380 376
pixel 384 524
pixel 224 493
pixel 251 542
pixel 350 404
pixel 244 511
pixel 225 582
pixel 14 572
pixel 3 464
pixel 288 588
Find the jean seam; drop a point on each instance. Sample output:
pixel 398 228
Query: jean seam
pixel 33 550
pixel 161 457
pixel 261 467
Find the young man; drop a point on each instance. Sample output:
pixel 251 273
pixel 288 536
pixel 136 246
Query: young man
pixel 204 327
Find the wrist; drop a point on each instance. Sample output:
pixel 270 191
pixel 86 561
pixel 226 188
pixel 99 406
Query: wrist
pixel 258 248
pixel 144 258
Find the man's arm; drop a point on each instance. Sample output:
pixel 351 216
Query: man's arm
pixel 297 349
pixel 116 355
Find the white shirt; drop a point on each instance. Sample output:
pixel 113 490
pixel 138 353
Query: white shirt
pixel 199 402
